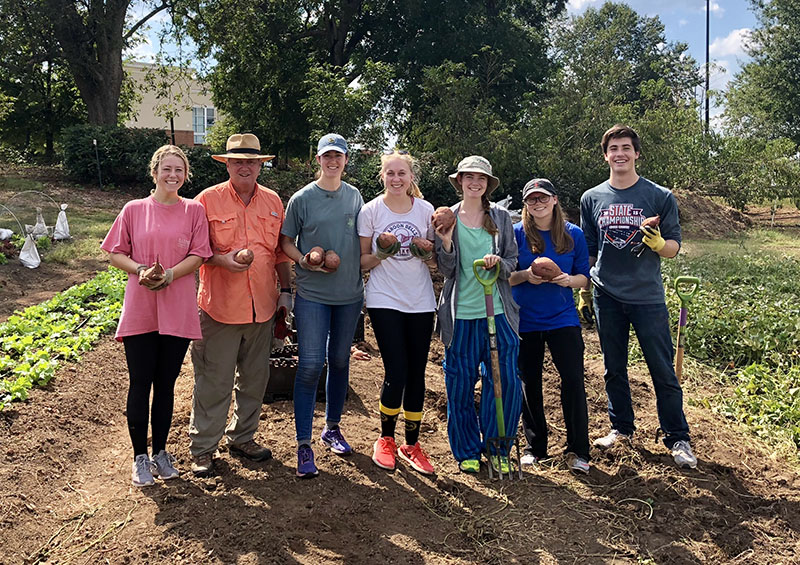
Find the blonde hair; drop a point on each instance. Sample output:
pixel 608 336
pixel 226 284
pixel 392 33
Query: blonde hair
pixel 562 241
pixel 413 187
pixel 163 152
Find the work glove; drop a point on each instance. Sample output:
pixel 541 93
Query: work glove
pixel 586 306
pixel 285 301
pixel 421 253
pixel 386 252
pixel 652 238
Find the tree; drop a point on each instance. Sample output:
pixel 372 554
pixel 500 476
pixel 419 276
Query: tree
pixel 92 35
pixel 764 98
pixel 613 66
pixel 40 95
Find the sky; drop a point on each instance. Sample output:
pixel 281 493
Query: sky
pixel 684 21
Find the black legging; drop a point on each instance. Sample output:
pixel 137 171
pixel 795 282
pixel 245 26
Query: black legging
pixel 566 349
pixel 404 341
pixel 154 361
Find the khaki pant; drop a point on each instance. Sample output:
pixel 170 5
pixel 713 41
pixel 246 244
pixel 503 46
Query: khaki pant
pixel 232 360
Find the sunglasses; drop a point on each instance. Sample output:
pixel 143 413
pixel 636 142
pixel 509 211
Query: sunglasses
pixel 543 199
pixel 398 151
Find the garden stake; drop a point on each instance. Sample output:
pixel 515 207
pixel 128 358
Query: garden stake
pixel 503 443
pixel 685 297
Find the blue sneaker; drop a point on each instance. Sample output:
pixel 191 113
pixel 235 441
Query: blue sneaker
pixel 334 440
pixel 306 468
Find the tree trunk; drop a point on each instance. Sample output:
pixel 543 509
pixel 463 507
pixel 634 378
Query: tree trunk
pixel 92 44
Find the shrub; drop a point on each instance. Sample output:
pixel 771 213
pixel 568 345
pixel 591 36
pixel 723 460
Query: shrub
pixel 124 153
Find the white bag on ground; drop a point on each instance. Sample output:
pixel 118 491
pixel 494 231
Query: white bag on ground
pixel 29 255
pixel 61 230
pixel 5 234
pixel 39 228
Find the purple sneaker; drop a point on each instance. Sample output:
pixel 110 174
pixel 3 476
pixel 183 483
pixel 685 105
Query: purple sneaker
pixel 305 463
pixel 335 441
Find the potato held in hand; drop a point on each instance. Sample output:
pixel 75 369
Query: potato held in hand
pixel 331 260
pixel 316 256
pixel 244 256
pixel 443 218
pixel 546 268
pixel 154 273
pixel 386 240
pixel 422 244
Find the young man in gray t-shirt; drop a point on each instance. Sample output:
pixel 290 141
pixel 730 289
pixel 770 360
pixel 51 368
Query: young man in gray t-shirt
pixel 626 272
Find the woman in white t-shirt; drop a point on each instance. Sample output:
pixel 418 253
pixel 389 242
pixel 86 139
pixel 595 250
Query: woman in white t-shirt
pixel 400 301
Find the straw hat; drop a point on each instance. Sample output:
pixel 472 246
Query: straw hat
pixel 242 146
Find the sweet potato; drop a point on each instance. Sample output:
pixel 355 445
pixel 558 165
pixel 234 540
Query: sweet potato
pixel 422 243
pixel 651 222
pixel 153 273
pixel 545 267
pixel 244 256
pixel 443 218
pixel 315 256
pixel 386 240
pixel 331 260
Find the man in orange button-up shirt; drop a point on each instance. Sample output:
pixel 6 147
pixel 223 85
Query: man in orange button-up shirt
pixel 238 303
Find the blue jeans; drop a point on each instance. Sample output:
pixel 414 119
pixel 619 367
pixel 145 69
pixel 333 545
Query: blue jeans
pixel 651 324
pixel 323 330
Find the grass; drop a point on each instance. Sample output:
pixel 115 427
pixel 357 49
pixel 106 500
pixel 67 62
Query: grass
pixel 88 225
pixel 754 241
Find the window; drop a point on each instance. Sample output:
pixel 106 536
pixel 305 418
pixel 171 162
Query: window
pixel 202 119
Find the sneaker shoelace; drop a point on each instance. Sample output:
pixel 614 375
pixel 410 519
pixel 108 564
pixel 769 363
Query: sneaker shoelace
pixel 143 465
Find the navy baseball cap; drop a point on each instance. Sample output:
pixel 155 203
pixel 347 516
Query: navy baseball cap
pixel 538 185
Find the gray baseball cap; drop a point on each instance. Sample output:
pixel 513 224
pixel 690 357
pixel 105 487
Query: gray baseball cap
pixel 331 142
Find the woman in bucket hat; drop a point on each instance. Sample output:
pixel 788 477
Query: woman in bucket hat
pixel 324 213
pixel 401 302
pixel 482 230
pixel 548 317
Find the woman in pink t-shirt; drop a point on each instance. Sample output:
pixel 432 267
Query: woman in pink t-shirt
pixel 159 317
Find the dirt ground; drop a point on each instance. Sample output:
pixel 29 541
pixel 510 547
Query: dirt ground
pixel 65 494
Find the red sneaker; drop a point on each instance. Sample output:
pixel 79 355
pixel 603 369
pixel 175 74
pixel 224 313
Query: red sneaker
pixel 383 453
pixel 416 457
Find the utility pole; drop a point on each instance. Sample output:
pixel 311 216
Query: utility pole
pixel 708 63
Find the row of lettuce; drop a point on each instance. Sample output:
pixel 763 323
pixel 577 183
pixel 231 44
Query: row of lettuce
pixel 744 323
pixel 34 342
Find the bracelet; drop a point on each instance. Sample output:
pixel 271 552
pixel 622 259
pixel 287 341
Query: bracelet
pixel 289 290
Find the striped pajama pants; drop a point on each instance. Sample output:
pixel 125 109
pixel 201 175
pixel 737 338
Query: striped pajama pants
pixel 465 361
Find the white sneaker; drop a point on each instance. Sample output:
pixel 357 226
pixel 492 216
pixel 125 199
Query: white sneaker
pixel 142 471
pixel 164 465
pixel 611 439
pixel 529 459
pixel 577 464
pixel 683 456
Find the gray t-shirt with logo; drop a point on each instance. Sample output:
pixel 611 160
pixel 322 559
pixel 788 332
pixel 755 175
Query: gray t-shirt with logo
pixel 610 219
pixel 315 216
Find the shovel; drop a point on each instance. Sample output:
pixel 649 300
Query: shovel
pixel 686 297
pixel 503 444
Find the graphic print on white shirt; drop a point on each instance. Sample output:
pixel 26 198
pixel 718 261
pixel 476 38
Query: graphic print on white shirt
pixel 404 232
pixel 619 224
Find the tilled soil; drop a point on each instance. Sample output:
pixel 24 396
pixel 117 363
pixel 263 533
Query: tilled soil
pixel 66 493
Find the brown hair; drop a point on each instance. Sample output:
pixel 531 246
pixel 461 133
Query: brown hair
pixel 413 187
pixel 562 241
pixel 617 131
pixel 488 223
pixel 163 152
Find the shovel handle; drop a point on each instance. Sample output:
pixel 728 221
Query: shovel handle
pixel 486 282
pixel 686 295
